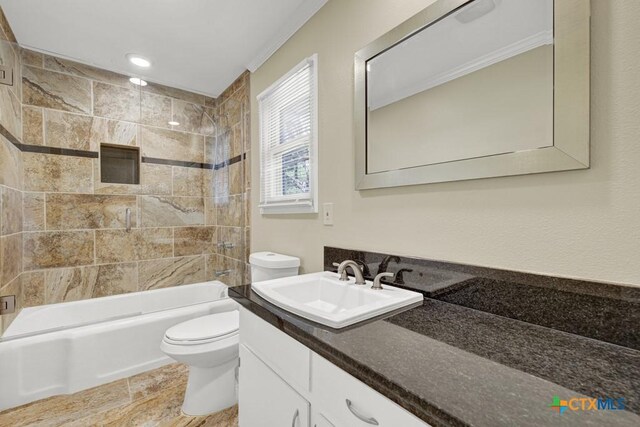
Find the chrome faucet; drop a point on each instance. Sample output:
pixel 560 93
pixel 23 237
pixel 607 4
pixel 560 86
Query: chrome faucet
pixel 342 271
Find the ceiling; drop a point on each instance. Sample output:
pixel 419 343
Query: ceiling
pixel 195 45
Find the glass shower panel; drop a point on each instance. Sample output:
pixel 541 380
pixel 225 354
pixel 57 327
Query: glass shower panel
pixel 228 265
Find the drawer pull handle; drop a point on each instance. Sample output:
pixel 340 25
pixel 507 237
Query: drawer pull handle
pixel 295 417
pixel 354 411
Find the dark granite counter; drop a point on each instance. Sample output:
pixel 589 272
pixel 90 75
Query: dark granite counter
pixel 452 366
pixel 453 363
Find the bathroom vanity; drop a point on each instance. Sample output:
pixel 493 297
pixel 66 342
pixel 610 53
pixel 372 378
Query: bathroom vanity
pixel 292 385
pixel 472 354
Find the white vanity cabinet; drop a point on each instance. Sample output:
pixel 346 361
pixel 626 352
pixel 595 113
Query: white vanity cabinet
pixel 267 399
pixel 347 401
pixel 284 383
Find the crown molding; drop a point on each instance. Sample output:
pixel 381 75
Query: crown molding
pixel 301 15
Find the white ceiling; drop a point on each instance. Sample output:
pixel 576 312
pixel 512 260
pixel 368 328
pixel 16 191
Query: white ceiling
pixel 196 45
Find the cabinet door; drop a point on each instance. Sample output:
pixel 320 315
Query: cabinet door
pixel 319 420
pixel 265 399
pixel 347 401
pixel 284 355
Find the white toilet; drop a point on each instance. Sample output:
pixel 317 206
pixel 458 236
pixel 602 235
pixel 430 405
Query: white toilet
pixel 209 344
pixel 269 265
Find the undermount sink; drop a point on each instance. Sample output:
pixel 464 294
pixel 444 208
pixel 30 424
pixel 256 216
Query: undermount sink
pixel 323 298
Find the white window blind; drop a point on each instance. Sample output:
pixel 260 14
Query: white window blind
pixel 288 142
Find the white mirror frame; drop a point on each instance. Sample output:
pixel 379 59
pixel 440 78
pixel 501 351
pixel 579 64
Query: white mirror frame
pixel 570 149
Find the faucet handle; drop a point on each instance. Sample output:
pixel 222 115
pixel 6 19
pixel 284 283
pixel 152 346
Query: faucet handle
pixel 400 275
pixel 363 267
pixel 344 277
pixel 377 285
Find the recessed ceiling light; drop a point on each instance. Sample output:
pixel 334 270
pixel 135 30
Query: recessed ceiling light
pixel 137 81
pixel 138 60
pixel 174 123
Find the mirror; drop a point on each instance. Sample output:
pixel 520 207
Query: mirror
pixel 474 89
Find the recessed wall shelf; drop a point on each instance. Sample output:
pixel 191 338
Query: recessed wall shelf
pixel 119 165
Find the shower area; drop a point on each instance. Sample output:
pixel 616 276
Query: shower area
pixel 121 201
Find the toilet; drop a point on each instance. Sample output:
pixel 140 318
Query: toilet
pixel 269 266
pixel 209 344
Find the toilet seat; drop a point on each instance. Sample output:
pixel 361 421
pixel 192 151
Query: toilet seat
pixel 205 329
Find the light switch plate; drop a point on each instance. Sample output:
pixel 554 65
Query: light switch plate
pixel 327 213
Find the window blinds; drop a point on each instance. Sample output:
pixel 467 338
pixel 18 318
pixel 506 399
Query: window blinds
pixel 287 140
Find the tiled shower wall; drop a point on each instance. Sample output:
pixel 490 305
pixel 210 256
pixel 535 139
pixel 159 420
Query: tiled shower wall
pixel 11 181
pixel 64 230
pixel 232 183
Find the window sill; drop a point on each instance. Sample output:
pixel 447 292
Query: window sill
pixel 288 209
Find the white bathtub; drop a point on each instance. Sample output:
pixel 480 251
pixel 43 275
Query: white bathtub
pixel 68 347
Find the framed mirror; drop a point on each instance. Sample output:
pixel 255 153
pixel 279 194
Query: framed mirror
pixel 471 89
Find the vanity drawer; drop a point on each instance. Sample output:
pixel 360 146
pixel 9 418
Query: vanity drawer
pixel 350 402
pixel 286 356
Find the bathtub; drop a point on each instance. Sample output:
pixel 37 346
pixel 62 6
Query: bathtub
pixel 67 347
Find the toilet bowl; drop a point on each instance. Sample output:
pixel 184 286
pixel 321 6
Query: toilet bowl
pixel 209 346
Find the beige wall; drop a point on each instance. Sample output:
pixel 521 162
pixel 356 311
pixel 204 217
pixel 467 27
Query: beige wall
pixel 583 224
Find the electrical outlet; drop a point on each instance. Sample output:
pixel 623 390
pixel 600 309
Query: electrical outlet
pixel 7 304
pixel 327 213
pixel 6 75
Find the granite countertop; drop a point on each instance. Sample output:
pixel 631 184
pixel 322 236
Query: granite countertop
pixel 452 365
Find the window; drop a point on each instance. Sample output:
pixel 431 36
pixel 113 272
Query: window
pixel 288 142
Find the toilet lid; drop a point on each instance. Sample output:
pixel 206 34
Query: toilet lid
pixel 205 327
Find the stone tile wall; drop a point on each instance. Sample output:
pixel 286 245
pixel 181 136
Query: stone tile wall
pixel 11 175
pixel 63 230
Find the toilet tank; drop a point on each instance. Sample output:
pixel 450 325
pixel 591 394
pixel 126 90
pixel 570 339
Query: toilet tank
pixel 269 265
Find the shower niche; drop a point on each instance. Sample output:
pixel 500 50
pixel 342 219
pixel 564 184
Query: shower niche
pixel 119 165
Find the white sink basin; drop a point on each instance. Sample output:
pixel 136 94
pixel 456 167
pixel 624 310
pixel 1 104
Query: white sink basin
pixel 323 298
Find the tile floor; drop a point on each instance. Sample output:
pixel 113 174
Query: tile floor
pixel 149 399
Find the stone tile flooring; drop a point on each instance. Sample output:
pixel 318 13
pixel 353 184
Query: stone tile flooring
pixel 149 399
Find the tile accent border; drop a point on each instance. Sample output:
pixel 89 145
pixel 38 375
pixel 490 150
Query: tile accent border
pixel 59 151
pixel 26 148
pixel 12 139
pixel 168 162
pixel 230 161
